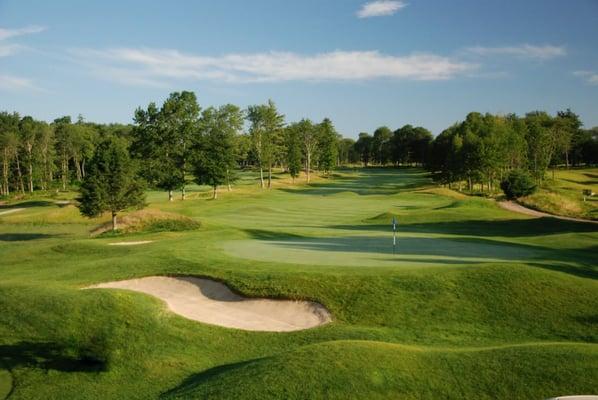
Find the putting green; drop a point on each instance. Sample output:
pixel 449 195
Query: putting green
pixel 373 251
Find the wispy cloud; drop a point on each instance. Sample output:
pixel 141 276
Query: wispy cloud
pixel 145 66
pixel 8 49
pixel 14 83
pixel 380 8
pixel 590 77
pixel 6 33
pixel 529 51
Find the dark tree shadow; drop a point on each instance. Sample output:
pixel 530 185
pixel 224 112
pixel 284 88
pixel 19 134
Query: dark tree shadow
pixel 506 228
pixel 187 386
pixel 28 204
pixel 23 237
pixel 367 182
pixel 48 356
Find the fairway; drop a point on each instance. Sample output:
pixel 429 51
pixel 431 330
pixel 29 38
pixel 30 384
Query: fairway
pixel 476 302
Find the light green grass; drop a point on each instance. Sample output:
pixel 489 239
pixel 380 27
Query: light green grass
pixel 477 303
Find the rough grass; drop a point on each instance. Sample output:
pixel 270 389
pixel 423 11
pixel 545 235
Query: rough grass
pixel 150 221
pixel 440 324
pixel 563 194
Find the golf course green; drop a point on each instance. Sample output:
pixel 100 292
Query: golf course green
pixel 474 302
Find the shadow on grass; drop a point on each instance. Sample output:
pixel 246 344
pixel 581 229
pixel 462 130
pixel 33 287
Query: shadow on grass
pixel 382 181
pixel 261 234
pixel 188 386
pixel 24 237
pixel 506 228
pixel 47 356
pixel 28 204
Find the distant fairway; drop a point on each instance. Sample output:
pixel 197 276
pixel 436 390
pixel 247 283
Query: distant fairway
pixel 477 303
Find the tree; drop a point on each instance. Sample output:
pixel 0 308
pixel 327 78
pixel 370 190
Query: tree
pixel 346 151
pixel 179 118
pixel 568 125
pixel 27 135
pixel 9 146
pixel 363 146
pixel 45 153
pixel 64 144
pixel 518 184
pixel 381 145
pixel 293 149
pixel 327 144
pixel 309 139
pixel 266 134
pixel 542 142
pixel 162 140
pixel 111 183
pixel 214 154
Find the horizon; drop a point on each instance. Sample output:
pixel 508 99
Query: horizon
pixel 358 63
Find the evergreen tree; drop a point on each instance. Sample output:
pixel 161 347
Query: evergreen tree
pixel 110 184
pixel 327 143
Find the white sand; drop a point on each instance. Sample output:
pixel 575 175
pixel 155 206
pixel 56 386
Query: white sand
pixel 214 303
pixel 12 210
pixel 130 243
pixel 516 207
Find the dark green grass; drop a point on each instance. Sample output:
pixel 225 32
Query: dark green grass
pixel 444 322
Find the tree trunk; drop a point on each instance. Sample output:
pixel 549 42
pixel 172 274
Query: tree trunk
pixel 183 193
pixel 261 177
pixel 78 169
pixel 5 173
pixel 567 159
pixel 269 176
pixel 215 192
pixel 20 176
pixel 170 195
pixel 114 225
pixel 308 166
pixel 228 181
pixel 65 171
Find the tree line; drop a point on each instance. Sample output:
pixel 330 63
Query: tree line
pixel 484 148
pixel 167 146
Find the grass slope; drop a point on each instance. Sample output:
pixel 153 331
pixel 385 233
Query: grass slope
pixel 480 303
pixel 376 370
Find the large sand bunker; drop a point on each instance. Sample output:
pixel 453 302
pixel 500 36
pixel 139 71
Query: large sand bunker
pixel 214 303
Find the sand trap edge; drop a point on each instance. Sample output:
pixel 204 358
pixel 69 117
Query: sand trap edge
pixel 212 302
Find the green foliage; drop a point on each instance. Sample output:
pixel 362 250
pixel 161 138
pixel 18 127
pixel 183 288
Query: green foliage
pixel 111 184
pixel 518 184
pixel 293 146
pixel 213 159
pixel 162 139
pixel 327 145
pixel 266 134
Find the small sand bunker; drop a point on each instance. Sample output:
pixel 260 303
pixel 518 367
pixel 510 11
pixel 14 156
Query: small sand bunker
pixel 130 243
pixel 214 303
pixel 12 210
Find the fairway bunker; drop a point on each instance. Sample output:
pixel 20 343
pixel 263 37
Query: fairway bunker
pixel 212 302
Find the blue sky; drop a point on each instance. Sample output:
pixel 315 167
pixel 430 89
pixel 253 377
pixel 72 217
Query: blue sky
pixel 363 64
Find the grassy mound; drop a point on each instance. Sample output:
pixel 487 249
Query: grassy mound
pixel 5 383
pixel 563 194
pixel 375 370
pixel 150 221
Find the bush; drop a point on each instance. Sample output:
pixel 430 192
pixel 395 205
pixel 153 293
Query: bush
pixel 518 184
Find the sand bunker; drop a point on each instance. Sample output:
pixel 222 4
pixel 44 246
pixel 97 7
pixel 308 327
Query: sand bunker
pixel 214 303
pixel 130 243
pixel 12 210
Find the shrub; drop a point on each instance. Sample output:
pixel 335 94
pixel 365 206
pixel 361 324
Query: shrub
pixel 518 184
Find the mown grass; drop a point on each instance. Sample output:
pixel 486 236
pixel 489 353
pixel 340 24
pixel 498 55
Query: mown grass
pixel 478 303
